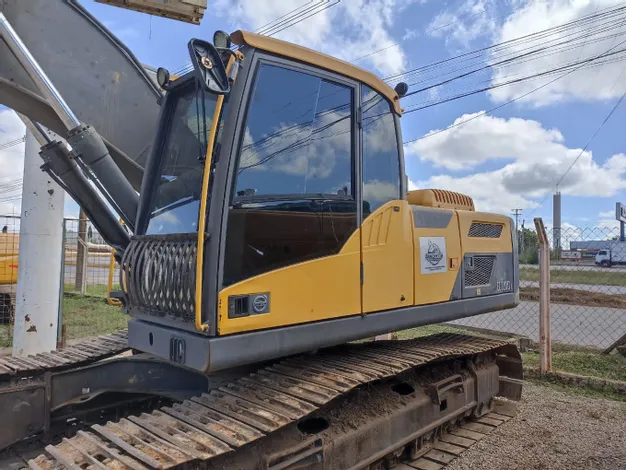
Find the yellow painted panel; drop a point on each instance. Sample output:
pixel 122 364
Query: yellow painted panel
pixel 388 257
pixel 315 290
pixel 9 248
pixel 437 286
pixel 504 244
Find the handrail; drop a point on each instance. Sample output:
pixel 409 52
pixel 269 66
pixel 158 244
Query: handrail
pixel 203 201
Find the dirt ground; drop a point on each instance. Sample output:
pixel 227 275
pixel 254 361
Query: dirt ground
pixel 562 295
pixel 556 431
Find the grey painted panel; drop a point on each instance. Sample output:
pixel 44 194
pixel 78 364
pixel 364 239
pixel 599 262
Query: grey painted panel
pixel 209 354
pixel 100 79
pixel 430 217
pixel 502 276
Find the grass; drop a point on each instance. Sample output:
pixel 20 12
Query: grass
pixel 580 391
pixel 605 278
pixel 92 290
pixel 610 366
pixel 439 328
pixel 83 317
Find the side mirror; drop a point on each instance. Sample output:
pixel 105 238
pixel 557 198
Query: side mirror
pixel 208 66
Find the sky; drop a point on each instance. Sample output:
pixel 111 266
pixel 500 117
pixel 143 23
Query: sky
pixel 510 158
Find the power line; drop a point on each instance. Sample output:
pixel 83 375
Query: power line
pixel 428 31
pixel 509 43
pixel 12 143
pixel 507 61
pixel 520 58
pixel 500 85
pixel 619 101
pixel 592 137
pixel 285 21
pixel 517 98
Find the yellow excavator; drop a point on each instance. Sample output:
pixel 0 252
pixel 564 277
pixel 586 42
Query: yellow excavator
pixel 273 229
pixel 287 224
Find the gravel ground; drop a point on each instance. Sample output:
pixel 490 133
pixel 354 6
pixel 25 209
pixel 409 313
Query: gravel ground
pixel 553 430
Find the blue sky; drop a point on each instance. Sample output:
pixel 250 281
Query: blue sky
pixel 509 159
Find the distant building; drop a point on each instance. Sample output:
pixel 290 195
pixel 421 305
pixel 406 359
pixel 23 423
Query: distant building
pixel 591 245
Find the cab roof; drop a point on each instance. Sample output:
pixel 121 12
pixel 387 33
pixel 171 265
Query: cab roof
pixel 317 59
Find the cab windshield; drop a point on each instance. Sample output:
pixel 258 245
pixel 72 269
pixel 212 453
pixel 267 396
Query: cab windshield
pixel 176 201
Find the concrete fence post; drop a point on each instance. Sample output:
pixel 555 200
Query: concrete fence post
pixel 545 343
pixel 39 258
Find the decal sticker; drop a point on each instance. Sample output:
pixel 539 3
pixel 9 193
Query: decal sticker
pixel 433 257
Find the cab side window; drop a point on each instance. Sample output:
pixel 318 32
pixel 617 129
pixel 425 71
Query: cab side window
pixel 298 136
pixel 381 158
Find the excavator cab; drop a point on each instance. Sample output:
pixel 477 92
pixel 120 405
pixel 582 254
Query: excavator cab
pixel 274 216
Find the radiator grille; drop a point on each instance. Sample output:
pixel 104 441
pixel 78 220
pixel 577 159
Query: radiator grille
pixel 480 275
pixel 483 230
pixel 159 275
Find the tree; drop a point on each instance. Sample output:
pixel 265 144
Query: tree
pixel 528 246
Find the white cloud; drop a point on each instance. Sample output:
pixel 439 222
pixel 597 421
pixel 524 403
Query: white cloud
pixel 473 19
pixel 11 160
pixel 379 191
pixel 347 30
pixel 410 34
pixel 590 83
pixel 609 227
pixel 533 159
pixel 606 214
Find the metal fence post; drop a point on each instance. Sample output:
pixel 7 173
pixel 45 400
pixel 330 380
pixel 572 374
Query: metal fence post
pixel 82 254
pixel 545 344
pixel 60 329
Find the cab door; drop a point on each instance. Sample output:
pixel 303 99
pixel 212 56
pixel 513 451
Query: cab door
pixel 387 227
pixel 292 228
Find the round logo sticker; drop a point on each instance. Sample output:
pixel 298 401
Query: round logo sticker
pixel 259 304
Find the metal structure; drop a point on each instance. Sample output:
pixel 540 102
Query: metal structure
pixel 556 220
pixel 545 344
pixel 620 215
pixel 190 11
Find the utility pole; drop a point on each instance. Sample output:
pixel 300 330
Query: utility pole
pixel 516 213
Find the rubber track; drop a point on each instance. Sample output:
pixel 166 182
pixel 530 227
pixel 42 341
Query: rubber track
pixel 80 354
pixel 249 408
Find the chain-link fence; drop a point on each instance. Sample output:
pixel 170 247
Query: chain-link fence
pixel 88 273
pixel 587 290
pixel 87 260
pixel 9 246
